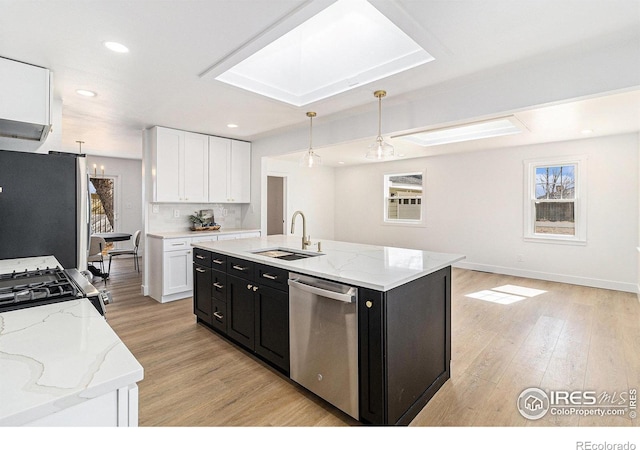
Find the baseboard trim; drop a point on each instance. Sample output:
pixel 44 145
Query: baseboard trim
pixel 569 279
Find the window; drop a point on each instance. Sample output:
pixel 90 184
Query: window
pixel 403 200
pixel 555 206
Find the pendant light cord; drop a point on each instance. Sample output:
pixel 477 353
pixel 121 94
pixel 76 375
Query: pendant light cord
pixel 310 133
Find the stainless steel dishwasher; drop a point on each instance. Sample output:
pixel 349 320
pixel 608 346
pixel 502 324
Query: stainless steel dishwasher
pixel 323 326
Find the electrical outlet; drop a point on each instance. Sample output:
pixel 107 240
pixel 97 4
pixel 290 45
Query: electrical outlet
pixel 176 213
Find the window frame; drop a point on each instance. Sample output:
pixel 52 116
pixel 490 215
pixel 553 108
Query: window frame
pixel 403 222
pixel 579 201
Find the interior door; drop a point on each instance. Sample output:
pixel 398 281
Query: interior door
pixel 275 205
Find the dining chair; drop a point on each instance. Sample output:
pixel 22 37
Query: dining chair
pixel 96 247
pixel 128 251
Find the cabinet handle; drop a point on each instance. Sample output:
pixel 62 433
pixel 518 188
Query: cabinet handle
pixel 217 315
pixel 198 269
pixel 249 286
pixel 269 276
pixel 255 288
pixel 369 303
pixel 218 261
pixel 218 285
pixel 240 268
pixel 200 257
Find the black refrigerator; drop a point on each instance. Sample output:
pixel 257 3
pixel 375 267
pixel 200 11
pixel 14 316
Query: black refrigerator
pixel 44 207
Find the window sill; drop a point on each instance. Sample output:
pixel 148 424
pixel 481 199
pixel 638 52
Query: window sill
pixel 555 240
pixel 400 223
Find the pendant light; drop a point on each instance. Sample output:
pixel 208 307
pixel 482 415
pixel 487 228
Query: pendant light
pixel 311 158
pixel 380 149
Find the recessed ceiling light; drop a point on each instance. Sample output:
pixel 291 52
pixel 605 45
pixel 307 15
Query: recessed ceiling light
pixel 116 47
pixel 85 93
pixel 479 130
pixel 232 125
pixel 312 62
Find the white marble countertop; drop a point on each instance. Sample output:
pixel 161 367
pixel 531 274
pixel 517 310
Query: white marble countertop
pixel 369 266
pixel 55 356
pixel 32 263
pixel 189 233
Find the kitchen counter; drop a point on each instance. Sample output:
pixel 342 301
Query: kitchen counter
pixel 189 233
pixel 62 364
pixel 369 266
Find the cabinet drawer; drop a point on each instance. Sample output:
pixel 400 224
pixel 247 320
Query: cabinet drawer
pixel 272 277
pixel 219 285
pixel 240 268
pixel 218 261
pixel 219 315
pixel 202 257
pixel 176 244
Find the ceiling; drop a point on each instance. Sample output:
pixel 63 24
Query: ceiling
pixel 176 48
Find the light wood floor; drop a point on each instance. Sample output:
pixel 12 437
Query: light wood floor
pixel 569 337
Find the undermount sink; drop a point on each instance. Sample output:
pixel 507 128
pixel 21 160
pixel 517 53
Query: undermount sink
pixel 285 254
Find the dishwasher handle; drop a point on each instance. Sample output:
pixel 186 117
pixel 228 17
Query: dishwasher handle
pixel 347 297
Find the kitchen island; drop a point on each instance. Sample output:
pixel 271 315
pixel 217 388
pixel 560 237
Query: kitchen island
pixel 62 365
pixel 403 311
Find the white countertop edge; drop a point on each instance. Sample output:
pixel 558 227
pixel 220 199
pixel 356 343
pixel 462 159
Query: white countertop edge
pixel 189 233
pixel 20 415
pixel 295 266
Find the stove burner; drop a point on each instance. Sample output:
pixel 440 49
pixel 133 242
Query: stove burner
pixel 35 287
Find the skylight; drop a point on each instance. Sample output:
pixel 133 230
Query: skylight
pixel 348 44
pixel 480 130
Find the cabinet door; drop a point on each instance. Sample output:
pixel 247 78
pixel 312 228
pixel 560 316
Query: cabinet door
pixel 371 356
pixel 240 311
pixel 272 326
pixel 240 172
pixel 202 305
pixel 169 159
pixel 219 150
pixel 196 168
pixel 177 273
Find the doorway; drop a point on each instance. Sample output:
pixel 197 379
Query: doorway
pixel 276 218
pixel 101 191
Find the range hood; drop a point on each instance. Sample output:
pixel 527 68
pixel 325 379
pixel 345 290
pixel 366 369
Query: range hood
pixel 25 110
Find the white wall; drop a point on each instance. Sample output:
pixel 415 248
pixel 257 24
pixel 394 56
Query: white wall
pixel 128 188
pixel 308 190
pixel 474 206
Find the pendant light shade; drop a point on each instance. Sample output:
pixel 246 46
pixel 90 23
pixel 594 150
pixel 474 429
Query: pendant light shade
pixel 310 158
pixel 380 149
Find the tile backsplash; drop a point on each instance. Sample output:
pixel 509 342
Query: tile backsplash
pixel 227 215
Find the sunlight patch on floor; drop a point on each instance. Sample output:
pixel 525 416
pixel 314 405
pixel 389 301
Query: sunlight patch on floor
pixel 506 295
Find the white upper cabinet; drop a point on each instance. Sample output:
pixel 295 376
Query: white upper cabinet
pixel 196 168
pixel 181 166
pixel 169 151
pixel 229 171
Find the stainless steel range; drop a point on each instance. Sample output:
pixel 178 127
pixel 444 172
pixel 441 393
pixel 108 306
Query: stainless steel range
pixel 40 286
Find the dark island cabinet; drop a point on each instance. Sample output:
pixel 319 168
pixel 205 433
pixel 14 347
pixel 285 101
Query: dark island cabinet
pixel 202 302
pixel 272 326
pixel 248 303
pixel 240 309
pixel 405 347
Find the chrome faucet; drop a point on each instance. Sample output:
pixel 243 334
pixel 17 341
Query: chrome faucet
pixel 306 240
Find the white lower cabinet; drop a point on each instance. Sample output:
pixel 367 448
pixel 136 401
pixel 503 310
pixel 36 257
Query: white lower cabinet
pixel 171 264
pixel 177 272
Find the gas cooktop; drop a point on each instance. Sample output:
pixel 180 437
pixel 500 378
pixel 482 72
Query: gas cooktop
pixel 36 287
